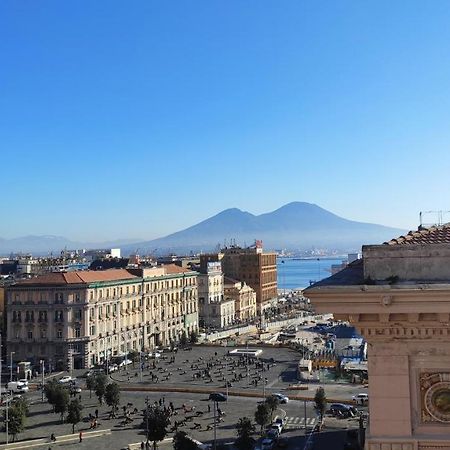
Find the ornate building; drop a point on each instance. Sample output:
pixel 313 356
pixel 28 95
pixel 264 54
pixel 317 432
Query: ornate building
pixel 398 296
pixel 244 299
pixel 83 317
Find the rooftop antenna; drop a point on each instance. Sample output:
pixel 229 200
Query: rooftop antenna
pixel 438 214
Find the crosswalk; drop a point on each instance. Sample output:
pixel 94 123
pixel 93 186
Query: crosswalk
pixel 299 422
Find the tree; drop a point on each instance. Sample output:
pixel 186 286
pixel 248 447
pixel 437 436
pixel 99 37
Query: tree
pixel 134 356
pixel 272 402
pixel 16 421
pixel 90 384
pixel 23 405
pixel 193 338
pixel 50 390
pixel 244 430
pixel 101 381
pixel 262 415
pixel 157 421
pixel 112 395
pixel 61 401
pixel 183 339
pixel 74 413
pixel 181 441
pixel 320 402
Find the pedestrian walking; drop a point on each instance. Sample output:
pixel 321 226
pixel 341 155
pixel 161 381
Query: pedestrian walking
pixel 52 437
pixel 142 445
pixel 81 436
pixel 96 413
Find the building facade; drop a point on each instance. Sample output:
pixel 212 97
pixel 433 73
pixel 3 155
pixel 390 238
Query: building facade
pixel 398 297
pixel 214 310
pixel 82 318
pixel 244 299
pixel 251 265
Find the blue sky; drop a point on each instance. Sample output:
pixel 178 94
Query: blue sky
pixel 135 119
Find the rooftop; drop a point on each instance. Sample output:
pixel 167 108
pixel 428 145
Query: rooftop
pixel 79 277
pixel 439 234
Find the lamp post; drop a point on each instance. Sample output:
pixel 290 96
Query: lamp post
pixel 10 368
pixel 264 387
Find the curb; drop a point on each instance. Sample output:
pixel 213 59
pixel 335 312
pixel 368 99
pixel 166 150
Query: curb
pixel 64 438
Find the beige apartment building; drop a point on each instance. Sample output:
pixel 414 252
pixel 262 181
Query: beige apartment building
pixel 244 299
pixel 253 266
pixel 84 317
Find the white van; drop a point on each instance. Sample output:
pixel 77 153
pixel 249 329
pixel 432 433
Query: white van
pixel 17 387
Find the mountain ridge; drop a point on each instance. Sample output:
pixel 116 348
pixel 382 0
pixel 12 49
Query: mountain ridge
pixel 295 226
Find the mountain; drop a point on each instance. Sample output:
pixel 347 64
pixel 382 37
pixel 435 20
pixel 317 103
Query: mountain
pixel 43 245
pixel 297 225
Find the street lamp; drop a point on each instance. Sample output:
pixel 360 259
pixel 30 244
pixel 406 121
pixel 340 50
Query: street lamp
pixel 264 387
pixel 10 369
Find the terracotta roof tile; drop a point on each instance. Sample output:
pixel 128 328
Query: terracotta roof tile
pixel 79 277
pixel 173 269
pixel 433 235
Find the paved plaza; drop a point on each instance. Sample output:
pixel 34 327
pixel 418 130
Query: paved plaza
pixel 199 368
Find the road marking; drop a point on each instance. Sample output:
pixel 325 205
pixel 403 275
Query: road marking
pixel 297 422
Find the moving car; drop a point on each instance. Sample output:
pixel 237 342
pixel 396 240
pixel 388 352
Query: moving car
pixel 217 397
pixel 65 379
pixel 281 398
pixel 340 409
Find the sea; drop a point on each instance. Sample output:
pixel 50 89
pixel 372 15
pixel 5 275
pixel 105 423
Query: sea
pixel 296 273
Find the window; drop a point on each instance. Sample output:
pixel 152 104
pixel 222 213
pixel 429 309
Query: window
pixel 43 334
pixel 77 332
pixel 30 334
pixel 59 334
pixel 77 297
pixel 93 330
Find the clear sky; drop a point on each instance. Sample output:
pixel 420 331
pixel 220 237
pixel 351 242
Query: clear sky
pixel 135 119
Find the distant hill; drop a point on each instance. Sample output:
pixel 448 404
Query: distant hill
pixel 43 245
pixel 297 225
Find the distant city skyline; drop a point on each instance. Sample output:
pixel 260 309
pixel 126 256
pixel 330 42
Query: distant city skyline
pixel 133 121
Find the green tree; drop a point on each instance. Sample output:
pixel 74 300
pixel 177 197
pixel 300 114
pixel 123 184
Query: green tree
pixel 181 441
pixel 90 384
pixel 16 421
pixel 244 431
pixel 101 380
pixel 74 413
pixel 23 405
pixel 262 415
pixel 183 339
pixel 193 337
pixel 112 395
pixel 320 402
pixel 61 401
pixel 50 390
pixel 158 421
pixel 272 402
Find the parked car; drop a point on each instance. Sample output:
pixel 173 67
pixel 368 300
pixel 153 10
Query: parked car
pixel 16 387
pixel 65 379
pixel 281 398
pixel 267 444
pixel 217 397
pixel 361 399
pixel 273 433
pixel 277 426
pixel 154 355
